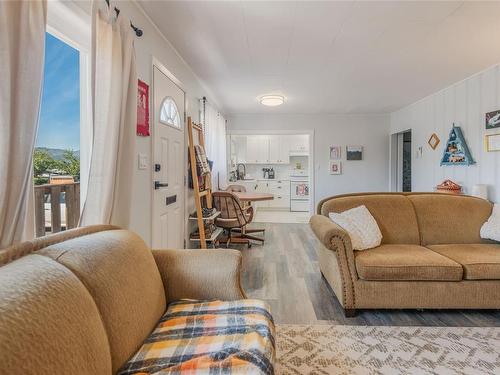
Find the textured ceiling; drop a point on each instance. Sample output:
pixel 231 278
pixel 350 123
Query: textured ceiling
pixel 330 57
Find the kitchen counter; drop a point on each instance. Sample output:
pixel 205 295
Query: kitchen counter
pixel 278 188
pixel 259 179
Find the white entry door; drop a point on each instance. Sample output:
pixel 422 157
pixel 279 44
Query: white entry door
pixel 168 163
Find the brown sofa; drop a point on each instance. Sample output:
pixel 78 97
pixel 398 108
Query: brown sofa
pixel 431 254
pixel 85 300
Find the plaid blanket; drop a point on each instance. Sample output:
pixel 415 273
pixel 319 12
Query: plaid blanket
pixel 199 338
pixel 201 160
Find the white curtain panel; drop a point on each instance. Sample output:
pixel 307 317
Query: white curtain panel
pixel 215 144
pixel 114 85
pixel 22 49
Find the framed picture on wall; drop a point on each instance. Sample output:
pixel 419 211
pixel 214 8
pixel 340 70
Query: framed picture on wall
pixel 335 152
pixel 493 119
pixel 335 167
pixel 434 141
pixel 492 142
pixel 354 152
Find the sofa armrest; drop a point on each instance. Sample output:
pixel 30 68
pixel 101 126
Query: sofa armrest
pixel 200 274
pixel 327 231
pixel 335 239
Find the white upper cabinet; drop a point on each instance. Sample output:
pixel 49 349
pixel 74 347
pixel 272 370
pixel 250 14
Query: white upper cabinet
pixel 267 149
pixel 257 149
pixel 238 149
pixel 274 149
pixel 279 149
pixel 299 144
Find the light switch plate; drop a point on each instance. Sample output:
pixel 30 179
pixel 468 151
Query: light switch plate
pixel 143 161
pixel 419 153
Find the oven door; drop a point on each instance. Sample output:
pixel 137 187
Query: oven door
pixel 299 190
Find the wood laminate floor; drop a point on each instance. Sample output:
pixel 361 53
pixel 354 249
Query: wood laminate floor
pixel 285 273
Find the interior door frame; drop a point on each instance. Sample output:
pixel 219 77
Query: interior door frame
pixel 396 161
pixel 156 63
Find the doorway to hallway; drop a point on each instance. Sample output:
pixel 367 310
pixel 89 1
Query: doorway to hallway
pixel 401 167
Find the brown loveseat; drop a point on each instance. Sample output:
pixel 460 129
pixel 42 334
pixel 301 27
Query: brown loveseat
pixel 84 301
pixel 431 254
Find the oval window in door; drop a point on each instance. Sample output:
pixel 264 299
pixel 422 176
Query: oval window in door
pixel 169 114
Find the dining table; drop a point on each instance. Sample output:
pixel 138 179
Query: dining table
pixel 249 197
pixel 245 196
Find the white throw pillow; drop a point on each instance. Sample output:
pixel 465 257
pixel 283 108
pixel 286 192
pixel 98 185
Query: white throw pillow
pixel 361 226
pixel 491 229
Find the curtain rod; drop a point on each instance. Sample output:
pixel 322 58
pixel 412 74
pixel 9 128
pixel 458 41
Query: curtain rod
pixel 138 31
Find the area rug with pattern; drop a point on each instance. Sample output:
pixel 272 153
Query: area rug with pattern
pixel 327 349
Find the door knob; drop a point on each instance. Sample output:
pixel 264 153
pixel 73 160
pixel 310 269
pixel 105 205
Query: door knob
pixel 159 185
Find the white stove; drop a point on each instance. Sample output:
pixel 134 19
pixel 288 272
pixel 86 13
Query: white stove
pixel 299 190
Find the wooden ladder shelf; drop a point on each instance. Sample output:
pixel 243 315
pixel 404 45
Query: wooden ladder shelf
pixel 205 192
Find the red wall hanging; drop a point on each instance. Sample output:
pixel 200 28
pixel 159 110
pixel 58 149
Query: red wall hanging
pixel 143 109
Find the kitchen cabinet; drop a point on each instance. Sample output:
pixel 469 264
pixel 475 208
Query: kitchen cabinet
pixel 267 149
pixel 279 149
pixel 279 188
pixel 281 191
pixel 298 144
pixel 238 149
pixel 250 186
pixel 261 187
pixel 257 149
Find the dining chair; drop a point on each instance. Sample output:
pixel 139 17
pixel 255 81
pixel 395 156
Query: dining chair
pixel 236 188
pixel 239 189
pixel 234 218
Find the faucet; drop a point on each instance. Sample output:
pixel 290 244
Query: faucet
pixel 241 175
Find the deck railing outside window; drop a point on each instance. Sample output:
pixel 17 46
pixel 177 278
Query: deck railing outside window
pixel 57 207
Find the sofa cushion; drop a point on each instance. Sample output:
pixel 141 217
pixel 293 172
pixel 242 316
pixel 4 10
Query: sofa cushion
pixel 120 273
pixel 49 323
pixel 214 337
pixel 491 229
pixel 450 219
pixel 405 262
pixel 361 226
pixel 479 261
pixel 394 214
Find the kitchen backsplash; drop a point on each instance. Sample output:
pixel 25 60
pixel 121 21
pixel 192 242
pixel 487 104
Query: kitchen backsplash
pixel 282 171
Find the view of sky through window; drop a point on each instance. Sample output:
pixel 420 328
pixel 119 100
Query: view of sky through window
pixel 60 111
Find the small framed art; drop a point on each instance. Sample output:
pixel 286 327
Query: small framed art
pixel 434 141
pixel 492 142
pixel 354 153
pixel 492 119
pixel 335 167
pixel 335 152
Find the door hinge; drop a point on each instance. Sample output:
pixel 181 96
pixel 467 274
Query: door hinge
pixel 184 243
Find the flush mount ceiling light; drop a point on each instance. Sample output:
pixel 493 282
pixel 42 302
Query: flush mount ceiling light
pixel 272 100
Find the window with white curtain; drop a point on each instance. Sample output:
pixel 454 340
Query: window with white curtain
pixel 215 143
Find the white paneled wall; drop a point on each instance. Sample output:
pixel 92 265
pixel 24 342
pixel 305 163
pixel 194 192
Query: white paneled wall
pixel 466 104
